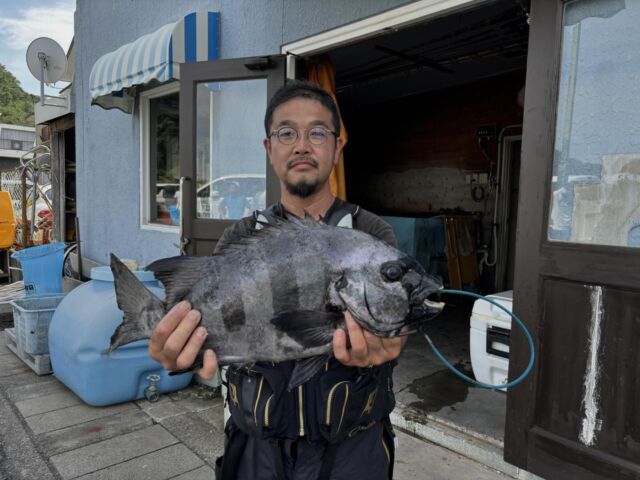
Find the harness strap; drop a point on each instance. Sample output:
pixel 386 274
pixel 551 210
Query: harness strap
pixel 232 455
pixel 276 447
pixel 390 437
pixel 327 461
pixel 341 214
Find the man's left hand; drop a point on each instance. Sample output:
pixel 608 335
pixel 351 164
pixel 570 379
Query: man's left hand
pixel 366 348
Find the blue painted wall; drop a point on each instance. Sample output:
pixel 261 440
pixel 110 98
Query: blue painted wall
pixel 108 142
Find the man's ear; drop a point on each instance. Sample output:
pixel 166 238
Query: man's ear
pixel 339 146
pixel 267 146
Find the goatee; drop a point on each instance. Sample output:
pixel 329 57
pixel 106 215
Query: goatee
pixel 301 189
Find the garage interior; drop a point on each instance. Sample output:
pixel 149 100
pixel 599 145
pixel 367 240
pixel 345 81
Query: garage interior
pixel 433 113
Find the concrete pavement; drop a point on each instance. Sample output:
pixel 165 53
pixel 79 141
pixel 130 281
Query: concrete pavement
pixel 47 432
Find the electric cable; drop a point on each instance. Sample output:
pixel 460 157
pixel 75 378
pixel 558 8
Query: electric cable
pixel 469 379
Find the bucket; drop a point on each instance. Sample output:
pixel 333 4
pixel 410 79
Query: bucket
pixel 42 268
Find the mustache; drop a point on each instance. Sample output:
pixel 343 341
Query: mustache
pixel 297 160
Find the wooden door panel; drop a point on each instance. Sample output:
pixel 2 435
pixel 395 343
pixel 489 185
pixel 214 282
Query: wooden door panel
pixel 562 367
pixel 578 414
pixel 619 393
pixel 557 458
pixel 591 393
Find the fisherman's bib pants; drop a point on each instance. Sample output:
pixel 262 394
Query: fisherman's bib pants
pixel 333 427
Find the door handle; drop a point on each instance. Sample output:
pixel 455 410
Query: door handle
pixel 183 241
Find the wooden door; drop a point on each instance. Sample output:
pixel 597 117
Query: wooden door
pixel 577 277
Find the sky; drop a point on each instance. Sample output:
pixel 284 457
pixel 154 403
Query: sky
pixel 22 21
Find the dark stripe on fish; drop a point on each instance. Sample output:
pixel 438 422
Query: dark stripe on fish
pixel 233 315
pixel 286 278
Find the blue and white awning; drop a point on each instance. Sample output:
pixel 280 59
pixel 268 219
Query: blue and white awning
pixel 155 56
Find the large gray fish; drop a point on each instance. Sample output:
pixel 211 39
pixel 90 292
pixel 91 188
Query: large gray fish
pixel 280 293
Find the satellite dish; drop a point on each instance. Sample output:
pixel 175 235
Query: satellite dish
pixel 46 61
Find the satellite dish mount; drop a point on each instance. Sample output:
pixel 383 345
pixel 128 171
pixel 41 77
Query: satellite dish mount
pixel 46 61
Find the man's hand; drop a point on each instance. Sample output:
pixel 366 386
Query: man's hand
pixel 177 339
pixel 366 349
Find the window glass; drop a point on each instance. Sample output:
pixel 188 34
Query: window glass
pixel 596 173
pixel 231 166
pixel 164 157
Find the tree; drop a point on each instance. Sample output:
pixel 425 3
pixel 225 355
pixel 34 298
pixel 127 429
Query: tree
pixel 16 105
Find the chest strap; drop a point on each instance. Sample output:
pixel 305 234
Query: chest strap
pixel 340 215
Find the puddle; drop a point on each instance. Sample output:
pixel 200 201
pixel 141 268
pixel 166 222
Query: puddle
pixel 440 389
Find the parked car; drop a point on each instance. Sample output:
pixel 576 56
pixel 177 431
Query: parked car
pixel 210 196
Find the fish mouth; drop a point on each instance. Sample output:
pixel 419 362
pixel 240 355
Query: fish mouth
pixel 431 305
pixel 430 309
pixel 420 298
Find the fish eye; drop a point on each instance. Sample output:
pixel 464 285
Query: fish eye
pixel 392 272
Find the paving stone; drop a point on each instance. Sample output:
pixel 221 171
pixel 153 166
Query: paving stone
pixel 195 404
pixel 203 473
pixel 23 378
pixel 198 435
pixel 163 410
pixel 107 453
pixel 19 458
pixel 146 404
pixel 214 416
pixel 159 465
pixel 71 438
pixel 47 403
pixel 67 417
pixel 32 390
pixel 12 365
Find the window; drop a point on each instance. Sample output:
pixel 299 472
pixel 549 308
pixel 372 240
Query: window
pixel 596 171
pixel 160 156
pixel 231 168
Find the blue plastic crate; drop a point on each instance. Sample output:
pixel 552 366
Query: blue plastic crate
pixel 32 316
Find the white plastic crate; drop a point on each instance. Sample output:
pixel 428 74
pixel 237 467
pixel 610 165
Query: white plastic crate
pixel 31 316
pixel 489 339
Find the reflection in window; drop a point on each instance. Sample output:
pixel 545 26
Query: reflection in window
pixel 164 157
pixel 596 172
pixel 231 166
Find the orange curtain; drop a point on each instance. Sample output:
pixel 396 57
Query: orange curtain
pixel 323 74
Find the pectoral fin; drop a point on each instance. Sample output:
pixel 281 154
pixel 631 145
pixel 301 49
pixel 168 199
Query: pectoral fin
pixel 308 328
pixel 305 369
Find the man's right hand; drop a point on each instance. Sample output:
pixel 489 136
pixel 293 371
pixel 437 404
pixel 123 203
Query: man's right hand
pixel 177 339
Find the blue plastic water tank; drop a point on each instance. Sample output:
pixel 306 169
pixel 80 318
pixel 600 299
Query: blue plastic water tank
pixel 80 333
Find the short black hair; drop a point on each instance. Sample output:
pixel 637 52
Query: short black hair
pixel 302 89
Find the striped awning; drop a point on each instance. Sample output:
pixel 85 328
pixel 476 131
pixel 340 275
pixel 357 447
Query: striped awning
pixel 155 56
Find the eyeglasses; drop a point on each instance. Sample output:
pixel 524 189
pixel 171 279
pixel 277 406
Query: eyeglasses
pixel 315 135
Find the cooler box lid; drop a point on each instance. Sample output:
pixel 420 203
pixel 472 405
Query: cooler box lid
pixel 485 311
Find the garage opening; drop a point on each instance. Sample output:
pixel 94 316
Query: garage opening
pixel 433 114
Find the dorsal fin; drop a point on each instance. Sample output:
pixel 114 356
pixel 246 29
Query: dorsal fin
pixel 275 227
pixel 180 274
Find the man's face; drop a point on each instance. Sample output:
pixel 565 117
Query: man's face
pixel 303 168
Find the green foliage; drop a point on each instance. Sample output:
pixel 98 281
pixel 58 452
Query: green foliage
pixel 16 105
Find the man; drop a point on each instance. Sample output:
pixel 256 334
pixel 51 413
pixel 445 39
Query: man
pixel 336 424
pixel 234 203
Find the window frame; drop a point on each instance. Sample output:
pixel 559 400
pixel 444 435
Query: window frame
pixel 145 152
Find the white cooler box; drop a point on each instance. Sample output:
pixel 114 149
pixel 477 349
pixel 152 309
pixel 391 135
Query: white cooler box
pixel 489 339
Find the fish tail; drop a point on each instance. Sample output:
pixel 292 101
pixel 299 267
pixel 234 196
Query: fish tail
pixel 142 310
